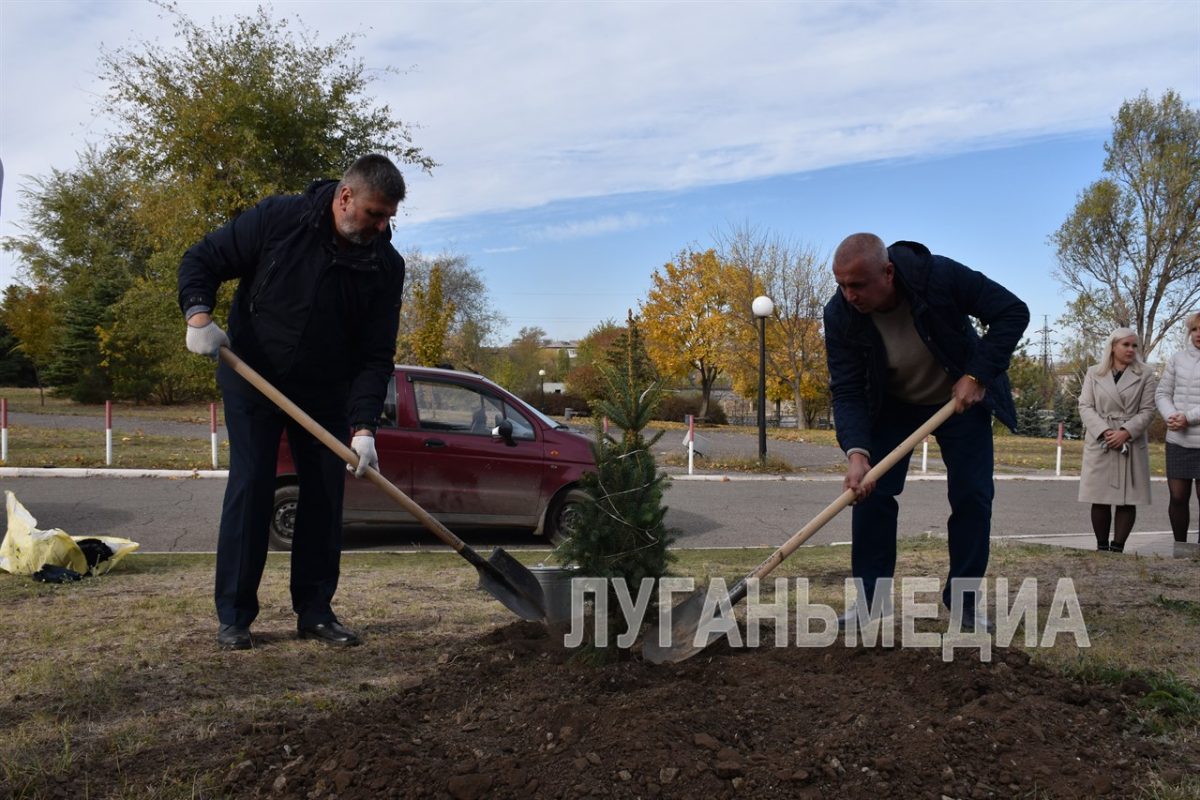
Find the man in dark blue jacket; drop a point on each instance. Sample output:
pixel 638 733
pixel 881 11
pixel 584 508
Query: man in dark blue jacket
pixel 900 344
pixel 316 313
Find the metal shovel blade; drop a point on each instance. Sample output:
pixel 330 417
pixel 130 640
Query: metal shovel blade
pixel 511 582
pixel 680 641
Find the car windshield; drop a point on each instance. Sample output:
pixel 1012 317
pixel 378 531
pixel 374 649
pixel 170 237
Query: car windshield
pixel 531 410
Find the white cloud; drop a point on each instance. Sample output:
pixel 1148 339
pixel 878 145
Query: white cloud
pixel 579 229
pixel 526 104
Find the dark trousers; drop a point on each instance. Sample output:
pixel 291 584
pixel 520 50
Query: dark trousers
pixel 255 426
pixel 966 444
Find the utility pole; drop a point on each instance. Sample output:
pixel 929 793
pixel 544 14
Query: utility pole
pixel 1047 377
pixel 1045 332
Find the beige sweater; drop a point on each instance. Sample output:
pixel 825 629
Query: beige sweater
pixel 914 375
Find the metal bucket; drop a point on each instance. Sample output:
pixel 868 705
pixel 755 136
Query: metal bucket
pixel 556 586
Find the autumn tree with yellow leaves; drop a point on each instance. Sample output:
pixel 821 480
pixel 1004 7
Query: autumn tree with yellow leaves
pixel 689 318
pixel 432 313
pixel 449 323
pixel 29 314
pixel 799 282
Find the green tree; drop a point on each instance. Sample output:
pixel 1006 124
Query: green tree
pixel 77 369
pixel 30 315
pixel 85 245
pixel 202 130
pixel 1074 359
pixel 82 226
pixel 1130 250
pixel 238 111
pixel 622 534
pixel 584 378
pixel 516 366
pixel 562 364
pixel 627 354
pixel 15 367
pixel 140 349
pixel 470 349
pixel 1029 382
pixel 687 317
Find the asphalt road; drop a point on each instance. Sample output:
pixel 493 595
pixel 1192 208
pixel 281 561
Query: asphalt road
pixel 179 515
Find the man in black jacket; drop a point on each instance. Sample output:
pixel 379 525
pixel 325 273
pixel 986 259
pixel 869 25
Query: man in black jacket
pixel 316 313
pixel 900 344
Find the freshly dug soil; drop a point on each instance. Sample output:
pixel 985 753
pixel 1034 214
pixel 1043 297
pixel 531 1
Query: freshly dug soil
pixel 514 716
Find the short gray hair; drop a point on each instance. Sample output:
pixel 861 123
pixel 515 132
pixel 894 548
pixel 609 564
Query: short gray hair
pixel 862 245
pixel 377 174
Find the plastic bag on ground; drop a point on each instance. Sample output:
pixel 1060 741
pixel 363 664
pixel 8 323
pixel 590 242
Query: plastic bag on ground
pixel 26 549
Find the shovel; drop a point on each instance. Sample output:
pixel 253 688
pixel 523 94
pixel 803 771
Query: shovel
pixel 501 575
pixel 687 615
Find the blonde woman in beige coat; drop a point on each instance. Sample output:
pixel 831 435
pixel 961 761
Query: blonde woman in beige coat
pixel 1116 404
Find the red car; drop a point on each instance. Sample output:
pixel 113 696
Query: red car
pixel 467 451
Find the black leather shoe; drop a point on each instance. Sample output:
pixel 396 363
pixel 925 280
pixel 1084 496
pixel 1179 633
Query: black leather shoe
pixel 234 637
pixel 331 633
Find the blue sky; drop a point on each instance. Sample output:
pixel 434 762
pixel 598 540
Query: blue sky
pixel 568 264
pixel 584 144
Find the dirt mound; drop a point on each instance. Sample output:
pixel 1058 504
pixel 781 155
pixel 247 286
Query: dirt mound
pixel 512 715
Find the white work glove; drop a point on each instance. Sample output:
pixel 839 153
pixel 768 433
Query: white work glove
pixel 207 339
pixel 364 445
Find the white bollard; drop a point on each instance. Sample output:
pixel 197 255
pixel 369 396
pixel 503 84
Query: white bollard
pixel 212 427
pixel 4 429
pixel 108 433
pixel 925 455
pixel 1058 456
pixel 691 442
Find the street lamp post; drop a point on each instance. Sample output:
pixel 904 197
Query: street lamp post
pixel 762 307
pixel 542 381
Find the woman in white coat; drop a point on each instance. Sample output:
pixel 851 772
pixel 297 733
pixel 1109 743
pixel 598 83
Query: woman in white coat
pixel 1116 404
pixel 1178 400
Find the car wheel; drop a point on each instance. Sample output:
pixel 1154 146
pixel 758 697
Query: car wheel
pixel 564 515
pixel 283 517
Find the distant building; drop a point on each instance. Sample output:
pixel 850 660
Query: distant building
pixel 556 346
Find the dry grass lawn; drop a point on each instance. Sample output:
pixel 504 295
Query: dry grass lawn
pixel 122 670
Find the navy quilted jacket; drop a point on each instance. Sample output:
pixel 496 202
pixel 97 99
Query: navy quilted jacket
pixel 308 314
pixel 943 295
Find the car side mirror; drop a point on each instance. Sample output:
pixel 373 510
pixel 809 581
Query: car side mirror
pixel 504 431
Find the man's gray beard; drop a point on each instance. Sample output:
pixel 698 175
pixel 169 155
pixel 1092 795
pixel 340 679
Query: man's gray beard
pixel 359 237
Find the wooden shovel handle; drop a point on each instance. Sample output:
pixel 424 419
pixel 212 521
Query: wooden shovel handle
pixel 847 497
pixel 341 450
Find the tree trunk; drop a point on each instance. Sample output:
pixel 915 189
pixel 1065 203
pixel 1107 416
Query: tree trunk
pixel 708 376
pixel 801 417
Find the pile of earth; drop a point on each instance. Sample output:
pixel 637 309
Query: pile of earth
pixel 514 716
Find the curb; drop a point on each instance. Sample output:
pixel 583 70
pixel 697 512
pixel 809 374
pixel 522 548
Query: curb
pixel 97 472
pixel 725 478
pixel 93 472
